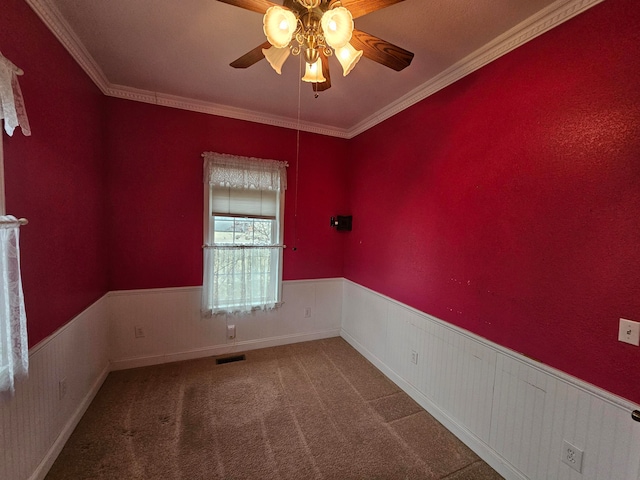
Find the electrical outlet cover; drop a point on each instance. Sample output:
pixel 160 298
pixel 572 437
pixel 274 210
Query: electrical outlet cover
pixel 231 332
pixel 414 357
pixel 62 388
pixel 572 456
pixel 629 332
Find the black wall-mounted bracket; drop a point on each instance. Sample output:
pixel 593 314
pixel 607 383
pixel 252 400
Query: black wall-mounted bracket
pixel 342 223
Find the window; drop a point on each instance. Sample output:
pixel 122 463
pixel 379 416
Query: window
pixel 244 201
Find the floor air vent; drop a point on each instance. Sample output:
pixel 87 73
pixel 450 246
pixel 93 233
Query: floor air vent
pixel 235 358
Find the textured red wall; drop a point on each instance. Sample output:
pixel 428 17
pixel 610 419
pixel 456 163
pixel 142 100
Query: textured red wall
pixel 55 178
pixel 156 193
pixel 509 203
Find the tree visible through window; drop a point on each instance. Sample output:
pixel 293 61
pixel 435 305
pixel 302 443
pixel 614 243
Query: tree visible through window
pixel 243 238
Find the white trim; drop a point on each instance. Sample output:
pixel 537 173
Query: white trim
pixel 45 341
pixel 53 19
pixel 145 291
pixel 210 108
pixel 50 457
pixel 589 388
pixel 548 18
pixel 220 350
pixel 465 433
pixel 485 452
pixel 384 350
pixel 315 280
pixel 543 21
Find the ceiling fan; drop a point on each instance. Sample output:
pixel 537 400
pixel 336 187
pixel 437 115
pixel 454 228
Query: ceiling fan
pixel 316 29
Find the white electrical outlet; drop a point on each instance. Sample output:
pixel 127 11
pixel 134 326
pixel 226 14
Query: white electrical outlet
pixel 414 357
pixel 572 456
pixel 629 332
pixel 231 332
pixel 138 332
pixel 307 312
pixel 62 388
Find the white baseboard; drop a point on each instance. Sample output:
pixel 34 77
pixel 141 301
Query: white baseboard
pixel 514 412
pixel 37 421
pixel 41 472
pixel 485 452
pixel 217 350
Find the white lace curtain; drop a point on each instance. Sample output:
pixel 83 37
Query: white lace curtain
pixel 14 358
pixel 241 278
pixel 11 102
pixel 14 348
pixel 244 172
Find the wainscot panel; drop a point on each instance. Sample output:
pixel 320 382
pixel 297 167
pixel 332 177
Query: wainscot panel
pixel 169 325
pixel 65 372
pixel 512 411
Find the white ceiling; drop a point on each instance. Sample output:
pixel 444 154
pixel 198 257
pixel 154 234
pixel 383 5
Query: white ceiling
pixel 177 53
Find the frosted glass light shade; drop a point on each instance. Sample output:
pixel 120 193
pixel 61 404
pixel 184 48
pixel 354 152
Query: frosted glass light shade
pixel 348 57
pixel 313 73
pixel 276 57
pixel 279 25
pixel 337 26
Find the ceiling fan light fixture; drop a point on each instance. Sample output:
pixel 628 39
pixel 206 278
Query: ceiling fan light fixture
pixel 311 55
pixel 337 26
pixel 279 25
pixel 276 57
pixel 348 57
pixel 313 73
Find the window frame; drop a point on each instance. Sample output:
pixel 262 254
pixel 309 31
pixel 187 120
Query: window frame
pixel 208 236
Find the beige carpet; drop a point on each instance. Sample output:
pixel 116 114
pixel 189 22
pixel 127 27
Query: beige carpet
pixel 315 410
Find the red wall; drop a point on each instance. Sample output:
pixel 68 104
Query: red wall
pixel 55 178
pixel 156 196
pixel 509 203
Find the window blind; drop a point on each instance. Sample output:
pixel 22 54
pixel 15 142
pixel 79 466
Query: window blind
pixel 244 202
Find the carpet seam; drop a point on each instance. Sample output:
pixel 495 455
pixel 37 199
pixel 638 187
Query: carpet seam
pixel 219 460
pixel 325 410
pixel 386 424
pixel 299 429
pixel 263 428
pixel 399 392
pixel 323 422
pixel 395 420
pixel 466 467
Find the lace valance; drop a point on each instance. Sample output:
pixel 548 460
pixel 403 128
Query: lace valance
pixel 244 172
pixel 12 108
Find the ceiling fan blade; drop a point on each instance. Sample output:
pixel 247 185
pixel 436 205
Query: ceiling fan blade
pixel 359 8
pixel 259 6
pixel 321 87
pixel 380 51
pixel 251 57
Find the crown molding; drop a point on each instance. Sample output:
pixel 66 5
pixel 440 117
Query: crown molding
pixel 534 26
pixel 210 108
pixel 548 18
pixel 54 20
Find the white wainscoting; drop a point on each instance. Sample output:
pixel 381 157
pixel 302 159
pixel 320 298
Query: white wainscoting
pixel 175 330
pixel 512 411
pixel 36 422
